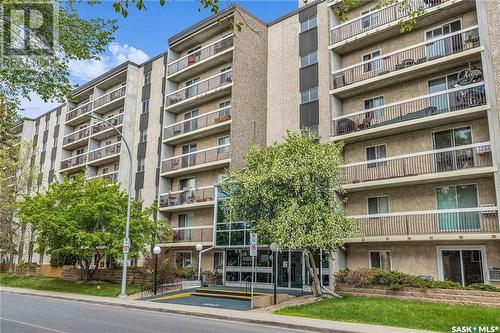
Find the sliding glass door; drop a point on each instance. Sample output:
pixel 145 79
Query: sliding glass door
pixel 464 265
pixel 456 197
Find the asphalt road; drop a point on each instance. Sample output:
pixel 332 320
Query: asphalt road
pixel 23 313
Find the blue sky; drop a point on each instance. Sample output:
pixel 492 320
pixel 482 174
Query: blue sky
pixel 144 34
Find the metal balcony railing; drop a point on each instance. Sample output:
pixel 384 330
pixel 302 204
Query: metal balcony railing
pixel 198 234
pixel 79 110
pixel 188 196
pixel 450 100
pixel 196 158
pixel 200 87
pixel 200 55
pixel 113 176
pixel 436 48
pixel 98 102
pixel 103 152
pixel 76 136
pixel 434 222
pixel 377 18
pixel 103 125
pixel 440 160
pixel 198 122
pixel 74 161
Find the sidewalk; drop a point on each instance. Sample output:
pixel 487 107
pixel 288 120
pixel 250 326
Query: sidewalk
pixel 255 317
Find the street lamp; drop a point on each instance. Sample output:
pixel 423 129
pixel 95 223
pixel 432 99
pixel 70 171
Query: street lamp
pixel 199 247
pixel 126 240
pixel 274 248
pixel 156 251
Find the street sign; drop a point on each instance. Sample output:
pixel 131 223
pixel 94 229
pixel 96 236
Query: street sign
pixel 253 238
pixel 253 244
pixel 253 250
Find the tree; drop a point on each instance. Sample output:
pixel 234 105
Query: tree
pixel 86 218
pixel 286 192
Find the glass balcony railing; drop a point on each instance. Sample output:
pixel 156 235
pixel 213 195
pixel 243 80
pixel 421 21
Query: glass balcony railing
pixel 399 60
pixel 200 55
pixel 74 161
pixel 465 220
pixel 200 87
pixel 76 136
pixel 435 161
pixel 188 196
pixel 378 18
pixel 103 152
pixel 456 99
pixel 198 122
pixel 197 234
pixel 196 158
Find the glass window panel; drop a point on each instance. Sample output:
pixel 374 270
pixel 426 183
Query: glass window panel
pixel 381 153
pixel 467 196
pixel 232 276
pixel 443 139
pixel 463 136
pixel 383 205
pixel 372 206
pixel 452 269
pixel 264 277
pixel 237 237
pixel 371 153
pixel 375 259
pixel 232 257
pixel 446 197
pixel 222 238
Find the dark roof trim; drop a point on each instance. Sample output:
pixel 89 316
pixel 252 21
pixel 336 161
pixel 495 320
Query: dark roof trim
pixel 104 76
pixel 298 10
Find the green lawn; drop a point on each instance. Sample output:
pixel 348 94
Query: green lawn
pixel 55 284
pixel 389 312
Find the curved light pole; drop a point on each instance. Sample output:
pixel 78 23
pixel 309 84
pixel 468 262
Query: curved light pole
pixel 126 240
pixel 274 249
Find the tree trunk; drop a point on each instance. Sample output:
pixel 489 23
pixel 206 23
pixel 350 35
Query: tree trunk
pixel 313 274
pixel 20 252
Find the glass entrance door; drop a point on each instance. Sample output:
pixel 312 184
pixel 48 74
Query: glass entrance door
pixel 289 269
pixel 463 266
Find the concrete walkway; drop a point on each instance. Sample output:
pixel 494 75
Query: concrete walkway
pixel 309 324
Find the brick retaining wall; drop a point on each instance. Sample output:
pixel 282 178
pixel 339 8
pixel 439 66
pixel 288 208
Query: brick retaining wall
pixel 448 296
pixel 109 275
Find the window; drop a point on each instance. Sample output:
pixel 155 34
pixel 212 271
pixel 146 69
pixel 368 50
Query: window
pixel 309 95
pixel 227 75
pixel 46 124
pixel 58 119
pixel 309 24
pixel 369 20
pixel 218 260
pixel 372 65
pixel 183 259
pixel 453 159
pixel 223 144
pixel 442 47
pixel 140 165
pixel 194 55
pixel 104 171
pixel 52 164
pixel 187 183
pixel 107 143
pixel 145 106
pixel 380 259
pixel 54 143
pixel 116 166
pixel 373 103
pixel 80 151
pixel 224 104
pixel 37 129
pixel 459 198
pixel 309 59
pixel 147 78
pixel 184 221
pixel 44 146
pixel 143 135
pixel 221 178
pixel 375 153
pixel 378 205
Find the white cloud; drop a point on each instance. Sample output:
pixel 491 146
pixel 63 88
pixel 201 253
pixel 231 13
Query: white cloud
pixel 36 106
pixel 82 71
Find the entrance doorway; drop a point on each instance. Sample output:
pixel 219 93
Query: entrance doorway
pixel 465 265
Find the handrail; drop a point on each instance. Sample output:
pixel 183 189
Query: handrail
pixel 204 47
pixel 110 145
pixel 197 117
pixel 196 152
pixel 193 227
pixel 104 174
pixel 92 125
pixel 188 189
pixel 422 212
pixel 201 81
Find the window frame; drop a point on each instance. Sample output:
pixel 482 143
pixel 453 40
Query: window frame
pixel 308 24
pixel 308 56
pixel 370 264
pixel 308 92
pixel 378 204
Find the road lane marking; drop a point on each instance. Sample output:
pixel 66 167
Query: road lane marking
pixel 32 325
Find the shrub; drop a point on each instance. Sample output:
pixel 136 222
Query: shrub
pixel 186 272
pixel 58 259
pixel 484 287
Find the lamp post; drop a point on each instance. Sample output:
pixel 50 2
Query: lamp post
pixel 156 251
pixel 126 240
pixel 199 247
pixel 274 248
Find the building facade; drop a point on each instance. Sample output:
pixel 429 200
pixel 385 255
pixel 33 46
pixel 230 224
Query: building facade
pixel 418 113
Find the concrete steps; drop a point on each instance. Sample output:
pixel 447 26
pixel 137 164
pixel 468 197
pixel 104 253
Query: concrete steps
pixel 225 293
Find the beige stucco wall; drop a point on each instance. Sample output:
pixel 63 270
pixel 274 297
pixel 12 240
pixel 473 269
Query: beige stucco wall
pixel 416 197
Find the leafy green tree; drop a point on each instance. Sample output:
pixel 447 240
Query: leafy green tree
pixel 84 218
pixel 287 193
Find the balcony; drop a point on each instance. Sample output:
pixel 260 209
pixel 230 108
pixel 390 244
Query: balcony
pixel 467 102
pixel 205 124
pixel 201 160
pixel 212 55
pixel 382 24
pixel 104 155
pixel 464 223
pixel 101 129
pixel 201 197
pixel 448 163
pixel 101 104
pixel 74 163
pixel 187 236
pixel 423 59
pixel 76 139
pixel 200 92
pixel 113 176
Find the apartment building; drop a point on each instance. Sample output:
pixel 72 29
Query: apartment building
pixel 418 113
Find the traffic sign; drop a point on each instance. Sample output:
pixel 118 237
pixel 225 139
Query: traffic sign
pixel 253 238
pixel 253 250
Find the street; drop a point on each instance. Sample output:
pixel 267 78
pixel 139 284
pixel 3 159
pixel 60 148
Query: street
pixel 23 313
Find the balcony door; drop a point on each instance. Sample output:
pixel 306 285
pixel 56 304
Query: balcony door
pixel 454 159
pixel 458 197
pixel 185 221
pixel 190 124
pixel 444 102
pixel 189 160
pixel 444 46
pixel 192 87
pixel 465 264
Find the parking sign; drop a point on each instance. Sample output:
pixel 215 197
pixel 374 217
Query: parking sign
pixel 253 244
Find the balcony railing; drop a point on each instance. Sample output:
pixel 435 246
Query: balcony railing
pixel 79 110
pixel 436 48
pixel 198 122
pixel 76 136
pixel 113 176
pixel 455 99
pixel 198 234
pixel 200 87
pixel 200 55
pixel 103 152
pixel 427 162
pixel 103 125
pixel 109 97
pixel 74 161
pixel 196 158
pixel 378 18
pixel 188 196
pixel 433 222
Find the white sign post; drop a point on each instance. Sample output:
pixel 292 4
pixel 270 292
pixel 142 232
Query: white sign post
pixel 253 254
